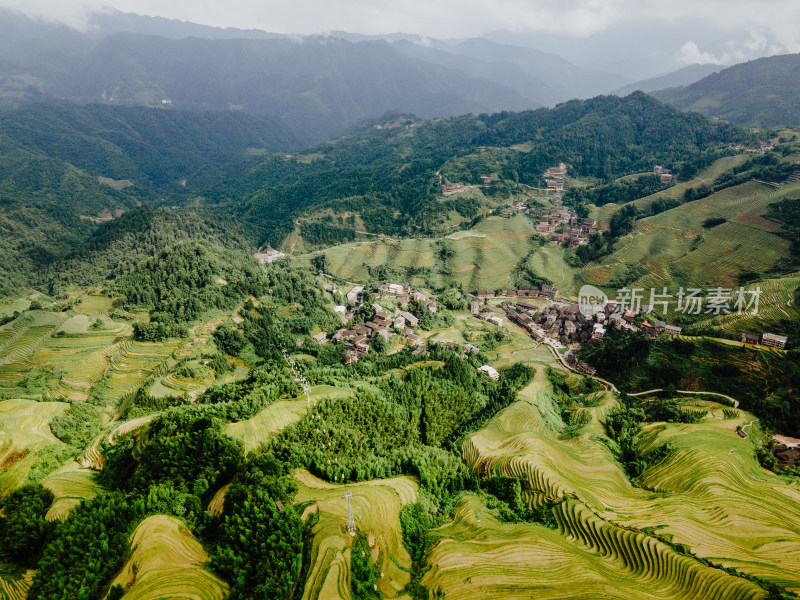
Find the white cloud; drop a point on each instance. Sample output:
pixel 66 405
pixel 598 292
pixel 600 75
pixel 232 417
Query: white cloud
pixel 775 20
pixel 690 54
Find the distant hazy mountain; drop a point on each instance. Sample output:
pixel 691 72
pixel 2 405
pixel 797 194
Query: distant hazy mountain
pixel 681 77
pixel 760 93
pixel 566 80
pixel 318 85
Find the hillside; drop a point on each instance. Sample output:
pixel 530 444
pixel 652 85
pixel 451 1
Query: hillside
pixel 148 146
pixel 387 179
pixel 125 472
pixel 759 93
pixel 682 77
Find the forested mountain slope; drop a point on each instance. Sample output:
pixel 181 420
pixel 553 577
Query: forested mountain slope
pixel 146 145
pixel 760 93
pixel 390 176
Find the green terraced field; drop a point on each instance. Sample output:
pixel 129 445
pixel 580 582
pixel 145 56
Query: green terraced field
pixel 776 302
pixel 71 484
pixel 167 561
pixel 376 506
pixel 136 362
pixel 676 249
pixel 24 429
pixel 485 256
pixel 279 415
pixel 585 558
pixel 16 588
pixel 710 495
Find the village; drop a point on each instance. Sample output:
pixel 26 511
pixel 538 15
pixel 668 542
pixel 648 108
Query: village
pixel 391 318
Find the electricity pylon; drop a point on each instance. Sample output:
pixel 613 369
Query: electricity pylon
pixel 351 521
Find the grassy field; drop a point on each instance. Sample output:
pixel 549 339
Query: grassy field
pixel 376 506
pixel 167 561
pixel 279 415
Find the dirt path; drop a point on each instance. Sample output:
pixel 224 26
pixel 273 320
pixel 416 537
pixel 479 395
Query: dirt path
pixel 733 400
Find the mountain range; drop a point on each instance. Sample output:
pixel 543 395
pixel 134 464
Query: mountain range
pixel 760 93
pixel 317 87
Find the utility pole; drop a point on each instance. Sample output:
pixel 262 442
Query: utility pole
pixel 306 389
pixel 351 522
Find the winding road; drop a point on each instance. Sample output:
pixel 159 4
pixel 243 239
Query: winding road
pixel 613 388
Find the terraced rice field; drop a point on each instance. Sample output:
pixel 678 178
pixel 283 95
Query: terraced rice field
pixel 376 506
pixel 71 484
pixel 485 257
pixel 585 558
pixel 136 362
pixel 277 416
pixel 24 429
pixel 15 354
pixel 676 249
pixel 16 588
pixel 775 303
pixel 167 561
pixel 710 495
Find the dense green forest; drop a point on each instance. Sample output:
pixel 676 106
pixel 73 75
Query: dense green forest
pixel 182 282
pixel 151 147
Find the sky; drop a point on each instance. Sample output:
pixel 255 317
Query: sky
pixel 764 27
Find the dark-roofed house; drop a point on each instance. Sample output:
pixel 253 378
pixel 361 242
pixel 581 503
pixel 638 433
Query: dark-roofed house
pixel 749 338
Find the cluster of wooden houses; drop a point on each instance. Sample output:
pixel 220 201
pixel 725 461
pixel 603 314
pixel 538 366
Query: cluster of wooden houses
pixel 562 322
pixel 568 325
pixel 555 177
pixel 523 291
pixel 562 225
pixel 358 337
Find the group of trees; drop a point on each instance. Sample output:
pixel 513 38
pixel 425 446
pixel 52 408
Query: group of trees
pixel 765 387
pixel 184 281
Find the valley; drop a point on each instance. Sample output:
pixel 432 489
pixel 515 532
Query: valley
pixel 232 366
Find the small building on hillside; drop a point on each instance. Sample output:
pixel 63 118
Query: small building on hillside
pixel 354 294
pixel 490 371
pixel 454 188
pixel 749 338
pixel 320 338
pixel 411 320
pixel 672 329
pixel 475 307
pixel 549 291
pixel 773 340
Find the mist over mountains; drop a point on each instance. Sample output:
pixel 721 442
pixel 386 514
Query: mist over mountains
pixel 318 86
